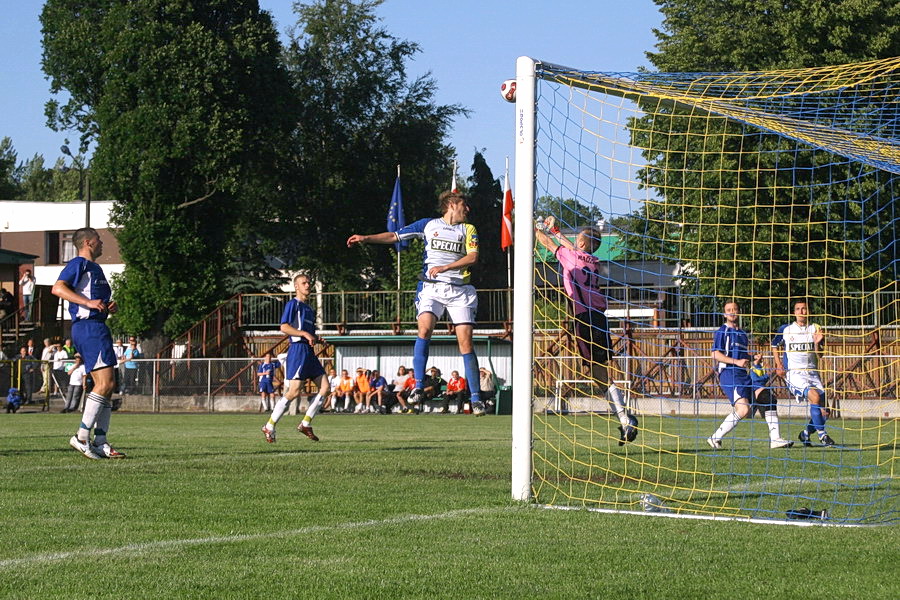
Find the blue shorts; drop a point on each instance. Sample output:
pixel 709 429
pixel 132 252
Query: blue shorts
pixel 735 384
pixel 94 343
pixel 302 362
pixel 266 387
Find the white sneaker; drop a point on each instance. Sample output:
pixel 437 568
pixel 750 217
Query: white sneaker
pixel 780 443
pixel 477 409
pixel 714 444
pixel 84 448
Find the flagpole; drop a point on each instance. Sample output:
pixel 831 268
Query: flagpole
pixel 398 257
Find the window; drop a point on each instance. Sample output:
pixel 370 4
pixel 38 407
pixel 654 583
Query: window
pixel 67 248
pixel 52 250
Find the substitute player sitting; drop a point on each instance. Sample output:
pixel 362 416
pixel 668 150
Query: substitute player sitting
pixel 797 346
pixel 299 322
pixel 451 248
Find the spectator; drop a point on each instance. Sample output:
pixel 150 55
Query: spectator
pixel 13 400
pixel 7 303
pixel 456 392
pixel 46 359
pixel 377 390
pixel 334 382
pixel 434 385
pixel 403 394
pixel 131 367
pixel 76 385
pixel 69 348
pixel 26 367
pixel 343 391
pixel 399 391
pixel 399 381
pixel 362 389
pixel 488 389
pixel 32 353
pixel 27 286
pixel 60 370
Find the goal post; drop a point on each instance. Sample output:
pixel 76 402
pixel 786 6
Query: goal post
pixel 695 190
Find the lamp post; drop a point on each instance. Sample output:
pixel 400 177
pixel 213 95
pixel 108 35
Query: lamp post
pixel 79 162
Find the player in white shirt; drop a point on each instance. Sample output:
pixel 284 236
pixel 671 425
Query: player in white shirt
pixel 451 247
pixel 796 347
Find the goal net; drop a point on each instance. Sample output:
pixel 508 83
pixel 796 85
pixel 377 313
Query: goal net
pixel 761 188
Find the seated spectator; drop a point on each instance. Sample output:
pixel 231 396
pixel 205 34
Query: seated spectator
pixel 433 385
pixel 457 391
pixel 361 389
pixel 343 392
pixel 334 382
pixel 378 391
pixel 488 389
pixel 403 394
pixel 399 381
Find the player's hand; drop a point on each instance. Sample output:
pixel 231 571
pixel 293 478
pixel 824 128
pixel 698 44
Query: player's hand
pixel 96 304
pixel 433 272
pixel 779 371
pixel 113 307
pixel 355 239
pixel 742 363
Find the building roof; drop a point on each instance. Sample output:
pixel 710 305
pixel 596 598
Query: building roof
pixel 11 257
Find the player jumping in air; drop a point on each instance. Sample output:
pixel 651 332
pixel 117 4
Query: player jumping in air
pixel 451 247
pixel 299 322
pixel 797 346
pixel 582 281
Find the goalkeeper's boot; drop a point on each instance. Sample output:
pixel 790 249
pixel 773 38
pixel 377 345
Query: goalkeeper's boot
pixel 804 438
pixel 826 439
pixel 107 451
pixel 780 443
pixel 307 431
pixel 714 443
pixel 269 433
pixel 84 448
pixel 478 408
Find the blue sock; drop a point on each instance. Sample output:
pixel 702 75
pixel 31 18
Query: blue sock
pixel 815 414
pixel 473 377
pixel 420 359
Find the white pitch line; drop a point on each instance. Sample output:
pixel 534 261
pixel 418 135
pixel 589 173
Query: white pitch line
pixel 244 537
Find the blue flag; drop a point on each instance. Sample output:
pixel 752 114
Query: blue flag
pixel 395 218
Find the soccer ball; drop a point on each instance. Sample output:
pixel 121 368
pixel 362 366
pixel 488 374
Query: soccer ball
pixel 508 90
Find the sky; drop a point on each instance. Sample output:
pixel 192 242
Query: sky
pixel 469 46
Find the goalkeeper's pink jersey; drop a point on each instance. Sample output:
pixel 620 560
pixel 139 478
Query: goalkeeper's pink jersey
pixel 581 279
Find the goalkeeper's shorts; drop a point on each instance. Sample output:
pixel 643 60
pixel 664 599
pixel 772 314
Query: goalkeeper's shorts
pixel 592 335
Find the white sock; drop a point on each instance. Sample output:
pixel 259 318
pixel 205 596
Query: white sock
pixel 280 407
pixel 616 405
pixel 772 421
pixel 346 403
pixel 313 409
pixel 93 404
pixel 727 425
pixel 102 426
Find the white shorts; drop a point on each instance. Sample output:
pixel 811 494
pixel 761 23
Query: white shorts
pixel 800 382
pixel 460 301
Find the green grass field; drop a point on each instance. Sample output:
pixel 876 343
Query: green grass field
pixel 383 507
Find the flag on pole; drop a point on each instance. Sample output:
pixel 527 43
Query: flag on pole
pixel 395 218
pixel 453 187
pixel 506 238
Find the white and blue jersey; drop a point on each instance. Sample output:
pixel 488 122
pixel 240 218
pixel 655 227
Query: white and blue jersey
pixel 444 244
pixel 89 331
pixel 800 358
pixel 301 362
pixel 266 373
pixel 735 381
pixel 87 278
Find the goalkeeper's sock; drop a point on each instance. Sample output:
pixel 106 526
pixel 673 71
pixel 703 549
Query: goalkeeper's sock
pixel 93 404
pixel 473 377
pixel 727 425
pixel 816 418
pixel 616 405
pixel 102 426
pixel 278 411
pixel 772 421
pixel 420 359
pixel 313 409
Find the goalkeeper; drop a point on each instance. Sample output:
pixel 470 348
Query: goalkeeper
pixel 582 281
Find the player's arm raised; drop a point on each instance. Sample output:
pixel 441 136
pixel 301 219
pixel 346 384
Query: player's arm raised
pixel 387 237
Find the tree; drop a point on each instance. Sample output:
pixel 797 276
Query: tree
pixel 728 214
pixel 9 185
pixel 359 117
pixel 486 202
pixel 190 108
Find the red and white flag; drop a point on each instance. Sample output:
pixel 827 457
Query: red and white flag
pixel 506 238
pixel 453 187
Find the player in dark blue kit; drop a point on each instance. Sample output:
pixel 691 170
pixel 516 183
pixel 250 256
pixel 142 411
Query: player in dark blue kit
pixel 299 322
pixel 83 284
pixel 266 375
pixel 731 351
